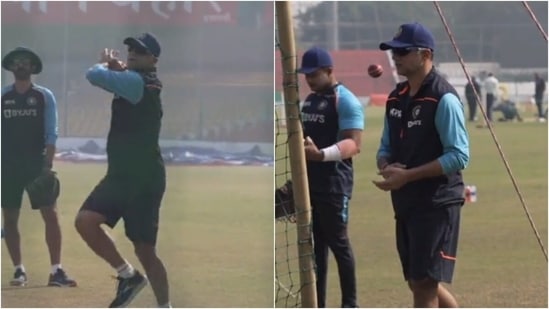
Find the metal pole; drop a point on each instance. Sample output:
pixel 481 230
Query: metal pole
pixel 333 27
pixel 335 18
pixel 199 86
pixel 65 59
pixel 481 44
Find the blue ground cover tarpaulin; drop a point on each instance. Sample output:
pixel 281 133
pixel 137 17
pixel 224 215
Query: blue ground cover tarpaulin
pixel 175 156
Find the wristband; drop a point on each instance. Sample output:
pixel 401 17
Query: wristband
pixel 331 153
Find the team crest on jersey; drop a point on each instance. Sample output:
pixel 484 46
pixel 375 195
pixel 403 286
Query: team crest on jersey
pixel 415 111
pixel 322 105
pixel 31 101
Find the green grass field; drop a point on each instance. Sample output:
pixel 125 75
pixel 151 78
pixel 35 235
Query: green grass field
pixel 500 263
pixel 216 239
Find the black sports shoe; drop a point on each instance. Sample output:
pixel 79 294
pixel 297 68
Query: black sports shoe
pixel 128 289
pixel 61 279
pixel 19 278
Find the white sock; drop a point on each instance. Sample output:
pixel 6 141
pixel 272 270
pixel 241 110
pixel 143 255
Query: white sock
pixel 20 266
pixel 126 270
pixel 55 267
pixel 166 305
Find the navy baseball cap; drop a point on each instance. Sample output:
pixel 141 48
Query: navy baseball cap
pixel 22 51
pixel 410 35
pixel 146 41
pixel 314 59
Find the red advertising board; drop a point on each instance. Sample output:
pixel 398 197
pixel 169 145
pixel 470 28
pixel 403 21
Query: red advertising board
pixel 126 12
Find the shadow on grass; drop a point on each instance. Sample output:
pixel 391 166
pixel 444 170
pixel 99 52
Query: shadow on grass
pixel 28 287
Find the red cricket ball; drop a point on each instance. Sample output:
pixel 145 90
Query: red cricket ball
pixel 375 70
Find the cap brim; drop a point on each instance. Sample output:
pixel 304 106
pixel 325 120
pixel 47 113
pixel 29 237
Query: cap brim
pixel 394 44
pixel 135 42
pixel 6 62
pixel 307 70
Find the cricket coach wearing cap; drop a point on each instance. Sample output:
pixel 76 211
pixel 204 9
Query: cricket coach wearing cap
pixel 424 147
pixel 135 182
pixel 29 135
pixel 333 121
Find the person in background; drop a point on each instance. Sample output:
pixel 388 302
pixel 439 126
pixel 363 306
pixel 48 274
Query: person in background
pixel 539 96
pixel 509 110
pixel 491 86
pixel 471 98
pixel 29 136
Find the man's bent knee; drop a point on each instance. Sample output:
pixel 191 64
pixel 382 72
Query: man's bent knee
pixel 49 213
pixel 86 220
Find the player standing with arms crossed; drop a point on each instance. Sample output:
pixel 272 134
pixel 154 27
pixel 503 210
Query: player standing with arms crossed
pixel 29 134
pixel 424 147
pixel 333 121
pixel 135 182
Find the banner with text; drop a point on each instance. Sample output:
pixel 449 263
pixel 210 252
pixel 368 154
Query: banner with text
pixel 135 12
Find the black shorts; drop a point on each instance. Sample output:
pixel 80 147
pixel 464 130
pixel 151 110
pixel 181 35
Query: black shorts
pixel 14 182
pixel 427 243
pixel 137 203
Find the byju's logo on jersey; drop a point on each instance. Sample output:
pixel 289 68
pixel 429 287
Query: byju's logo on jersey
pixel 14 113
pixel 413 123
pixel 305 117
pixel 31 101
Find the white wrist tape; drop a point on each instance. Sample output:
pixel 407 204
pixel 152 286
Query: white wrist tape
pixel 331 153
